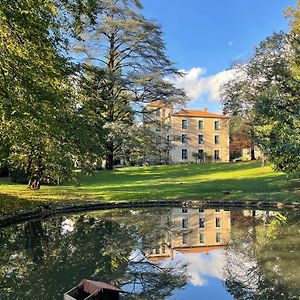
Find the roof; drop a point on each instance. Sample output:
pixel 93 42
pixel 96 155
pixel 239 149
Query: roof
pixel 158 258
pixel 198 249
pixel 155 104
pixel 94 287
pixel 198 113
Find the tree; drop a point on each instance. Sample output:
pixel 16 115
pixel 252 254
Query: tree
pixel 196 156
pixel 40 127
pixel 241 137
pixel 130 51
pixel 260 257
pixel 50 256
pixel 151 147
pixel 266 91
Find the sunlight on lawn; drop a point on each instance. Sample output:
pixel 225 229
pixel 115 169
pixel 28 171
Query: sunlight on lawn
pixel 244 181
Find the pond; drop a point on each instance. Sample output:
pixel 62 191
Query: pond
pixel 157 253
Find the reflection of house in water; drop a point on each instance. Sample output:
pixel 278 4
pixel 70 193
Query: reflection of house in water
pixel 259 214
pixel 246 218
pixel 194 230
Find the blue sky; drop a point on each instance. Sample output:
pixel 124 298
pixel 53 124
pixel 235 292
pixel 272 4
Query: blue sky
pixel 204 37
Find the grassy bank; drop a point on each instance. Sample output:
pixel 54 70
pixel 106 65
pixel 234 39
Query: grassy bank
pixel 244 181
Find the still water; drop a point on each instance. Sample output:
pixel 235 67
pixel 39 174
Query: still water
pixel 169 253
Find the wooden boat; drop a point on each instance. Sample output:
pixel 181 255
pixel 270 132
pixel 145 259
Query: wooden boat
pixel 93 290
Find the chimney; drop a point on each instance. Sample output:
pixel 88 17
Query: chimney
pixel 205 109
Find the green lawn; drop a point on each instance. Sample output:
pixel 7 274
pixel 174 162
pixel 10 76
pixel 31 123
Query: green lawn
pixel 244 181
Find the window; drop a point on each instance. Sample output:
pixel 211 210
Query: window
pixel 201 223
pixel 184 154
pixel 185 238
pixel 201 124
pixel 201 238
pixel 217 125
pixel 185 223
pixel 157 112
pixel 184 138
pixel 201 210
pixel 201 154
pixel 217 154
pixel 184 124
pixel 201 139
pixel 217 139
pixel 218 222
pixel 185 210
pixel 217 210
pixel 168 138
pixel 218 237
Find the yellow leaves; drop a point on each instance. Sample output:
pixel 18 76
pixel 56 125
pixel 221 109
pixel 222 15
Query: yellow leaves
pixel 25 12
pixel 280 217
pixel 294 15
pixel 53 9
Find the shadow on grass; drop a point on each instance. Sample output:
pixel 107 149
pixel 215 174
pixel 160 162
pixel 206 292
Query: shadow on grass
pixel 129 175
pixel 267 187
pixel 5 181
pixel 10 205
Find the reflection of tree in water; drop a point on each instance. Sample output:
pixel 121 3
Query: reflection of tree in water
pixel 148 280
pixel 43 259
pixel 264 263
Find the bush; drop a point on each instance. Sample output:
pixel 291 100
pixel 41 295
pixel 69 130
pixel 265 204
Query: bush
pixel 4 172
pixel 18 176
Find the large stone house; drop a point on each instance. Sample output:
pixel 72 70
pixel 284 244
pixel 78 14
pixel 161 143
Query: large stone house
pixel 194 135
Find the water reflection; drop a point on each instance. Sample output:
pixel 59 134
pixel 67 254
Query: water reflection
pixel 156 254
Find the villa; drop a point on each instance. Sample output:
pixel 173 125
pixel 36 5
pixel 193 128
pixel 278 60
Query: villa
pixel 194 135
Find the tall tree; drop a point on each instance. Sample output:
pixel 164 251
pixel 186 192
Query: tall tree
pixel 267 90
pixel 39 122
pixel 241 137
pixel 131 52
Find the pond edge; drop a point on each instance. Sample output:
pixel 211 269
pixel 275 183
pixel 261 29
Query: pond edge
pixel 47 211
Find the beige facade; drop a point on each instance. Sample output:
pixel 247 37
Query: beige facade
pixel 194 230
pixel 196 227
pixel 194 135
pixel 205 133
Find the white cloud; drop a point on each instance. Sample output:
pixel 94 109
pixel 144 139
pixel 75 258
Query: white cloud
pixel 196 84
pixel 200 266
pixel 230 43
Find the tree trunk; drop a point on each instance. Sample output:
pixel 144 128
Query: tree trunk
pixel 34 184
pixel 110 157
pixel 252 153
pixel 36 178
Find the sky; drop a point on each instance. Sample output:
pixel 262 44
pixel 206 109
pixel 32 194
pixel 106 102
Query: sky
pixel 204 38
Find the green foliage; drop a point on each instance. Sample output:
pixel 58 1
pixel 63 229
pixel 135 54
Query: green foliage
pixel 265 268
pixel 37 101
pixel 241 136
pixel 126 64
pixel 55 255
pixel 208 157
pixel 196 156
pixel 266 91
